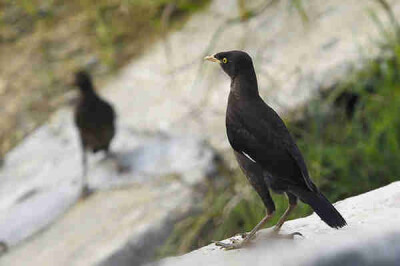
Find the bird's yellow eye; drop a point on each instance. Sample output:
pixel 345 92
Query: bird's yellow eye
pixel 224 60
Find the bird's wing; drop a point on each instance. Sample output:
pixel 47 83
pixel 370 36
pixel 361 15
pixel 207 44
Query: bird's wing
pixel 263 137
pixel 94 115
pixel 295 153
pixel 106 111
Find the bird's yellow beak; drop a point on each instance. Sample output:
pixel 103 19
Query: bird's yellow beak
pixel 212 59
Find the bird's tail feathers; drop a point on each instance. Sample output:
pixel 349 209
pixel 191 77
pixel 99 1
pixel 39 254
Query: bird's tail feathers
pixel 321 205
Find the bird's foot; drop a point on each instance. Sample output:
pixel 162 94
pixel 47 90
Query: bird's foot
pixel 245 235
pixel 235 244
pixel 274 233
pixel 86 192
pixel 118 166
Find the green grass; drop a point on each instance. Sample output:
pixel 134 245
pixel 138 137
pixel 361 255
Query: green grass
pixel 349 149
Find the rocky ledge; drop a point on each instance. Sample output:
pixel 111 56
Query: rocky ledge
pixel 371 238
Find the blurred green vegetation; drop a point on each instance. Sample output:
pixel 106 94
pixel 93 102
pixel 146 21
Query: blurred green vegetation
pixel 47 40
pixel 349 136
pixel 352 140
pixel 108 24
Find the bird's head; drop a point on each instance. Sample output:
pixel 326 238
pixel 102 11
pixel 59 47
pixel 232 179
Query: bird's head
pixel 233 63
pixel 83 81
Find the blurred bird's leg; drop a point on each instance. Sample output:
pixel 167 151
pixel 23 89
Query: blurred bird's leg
pixel 84 166
pixel 120 168
pixel 249 236
pixel 85 185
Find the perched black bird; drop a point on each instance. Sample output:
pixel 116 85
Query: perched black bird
pixel 264 148
pixel 94 119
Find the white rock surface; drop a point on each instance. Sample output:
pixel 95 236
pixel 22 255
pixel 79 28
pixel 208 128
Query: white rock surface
pixel 41 180
pixel 372 237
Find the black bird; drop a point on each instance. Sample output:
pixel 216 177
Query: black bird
pixel 95 120
pixel 264 148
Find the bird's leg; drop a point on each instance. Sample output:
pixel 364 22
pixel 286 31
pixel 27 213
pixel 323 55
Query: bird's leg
pixel 282 220
pixel 249 236
pixel 284 217
pixel 118 166
pixel 85 186
pixel 84 165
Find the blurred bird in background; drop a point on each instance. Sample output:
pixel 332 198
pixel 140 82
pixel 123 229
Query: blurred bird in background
pixel 95 120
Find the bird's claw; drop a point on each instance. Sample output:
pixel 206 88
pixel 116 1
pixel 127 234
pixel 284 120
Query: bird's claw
pixel 296 234
pixel 288 236
pixel 275 234
pixel 234 245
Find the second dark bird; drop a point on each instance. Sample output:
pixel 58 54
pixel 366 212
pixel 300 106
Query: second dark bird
pixel 265 150
pixel 95 120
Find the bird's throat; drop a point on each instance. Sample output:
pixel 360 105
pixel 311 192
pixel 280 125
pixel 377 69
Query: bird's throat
pixel 244 86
